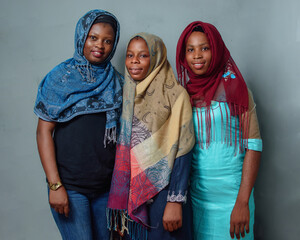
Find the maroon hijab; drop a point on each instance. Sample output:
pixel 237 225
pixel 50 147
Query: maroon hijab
pixel 222 82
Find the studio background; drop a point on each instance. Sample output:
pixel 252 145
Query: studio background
pixel 264 40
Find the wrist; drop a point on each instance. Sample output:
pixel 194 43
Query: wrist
pixel 52 177
pixel 54 186
pixel 175 203
pixel 242 201
pixel 177 196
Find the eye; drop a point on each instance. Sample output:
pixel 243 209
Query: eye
pixel 143 55
pixel 129 55
pixel 108 41
pixel 190 50
pixel 92 37
pixel 205 48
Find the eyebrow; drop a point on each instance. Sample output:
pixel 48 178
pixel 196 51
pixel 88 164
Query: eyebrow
pixel 143 51
pixel 201 44
pixel 96 34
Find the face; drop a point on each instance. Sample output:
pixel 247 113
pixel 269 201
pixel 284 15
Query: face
pixel 137 59
pixel 198 53
pixel 99 43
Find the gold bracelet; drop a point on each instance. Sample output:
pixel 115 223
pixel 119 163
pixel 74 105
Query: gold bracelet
pixel 54 186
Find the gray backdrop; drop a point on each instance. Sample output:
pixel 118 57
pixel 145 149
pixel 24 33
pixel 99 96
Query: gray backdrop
pixel 264 40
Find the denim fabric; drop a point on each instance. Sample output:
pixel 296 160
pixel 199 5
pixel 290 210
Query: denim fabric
pixel 87 217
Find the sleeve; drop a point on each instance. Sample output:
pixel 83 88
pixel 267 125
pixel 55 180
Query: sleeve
pixel 254 141
pixel 177 189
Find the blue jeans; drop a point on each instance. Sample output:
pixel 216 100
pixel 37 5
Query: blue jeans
pixel 87 217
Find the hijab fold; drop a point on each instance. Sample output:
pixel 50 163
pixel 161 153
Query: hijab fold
pixel 156 128
pixel 76 87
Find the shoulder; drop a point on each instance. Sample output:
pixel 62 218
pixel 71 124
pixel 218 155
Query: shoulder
pixel 55 77
pixel 251 103
pixel 119 76
pixel 61 68
pixel 181 91
pixel 250 93
pixel 177 94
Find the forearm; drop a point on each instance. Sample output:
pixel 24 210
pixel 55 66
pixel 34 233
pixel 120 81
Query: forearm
pixel 178 186
pixel 172 218
pixel 58 199
pixel 249 174
pixel 46 150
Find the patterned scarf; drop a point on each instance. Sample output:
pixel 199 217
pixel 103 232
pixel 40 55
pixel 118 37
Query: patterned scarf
pixel 222 82
pixel 76 87
pixel 156 128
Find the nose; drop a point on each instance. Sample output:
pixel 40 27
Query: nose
pixel 134 59
pixel 99 44
pixel 198 54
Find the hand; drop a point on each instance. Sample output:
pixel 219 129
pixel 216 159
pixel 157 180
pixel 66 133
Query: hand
pixel 59 201
pixel 172 218
pixel 239 220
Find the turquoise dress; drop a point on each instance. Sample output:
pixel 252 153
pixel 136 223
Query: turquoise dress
pixel 216 175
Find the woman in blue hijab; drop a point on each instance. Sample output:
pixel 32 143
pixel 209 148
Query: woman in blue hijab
pixel 78 105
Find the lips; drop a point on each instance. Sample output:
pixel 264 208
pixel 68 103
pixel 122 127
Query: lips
pixel 135 71
pixel 198 66
pixel 97 54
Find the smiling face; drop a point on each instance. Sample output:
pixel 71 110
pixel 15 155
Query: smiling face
pixel 99 43
pixel 198 53
pixel 137 59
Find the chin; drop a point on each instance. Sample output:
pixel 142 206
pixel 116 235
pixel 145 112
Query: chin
pixel 135 78
pixel 96 62
pixel 199 72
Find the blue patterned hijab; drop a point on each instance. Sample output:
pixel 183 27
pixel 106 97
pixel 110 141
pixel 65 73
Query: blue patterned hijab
pixel 76 87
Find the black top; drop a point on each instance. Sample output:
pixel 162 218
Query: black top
pixel 83 163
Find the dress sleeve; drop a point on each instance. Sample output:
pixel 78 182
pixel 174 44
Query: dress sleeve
pixel 254 141
pixel 177 189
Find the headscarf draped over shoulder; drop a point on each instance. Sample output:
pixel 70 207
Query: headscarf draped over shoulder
pixel 156 128
pixel 76 87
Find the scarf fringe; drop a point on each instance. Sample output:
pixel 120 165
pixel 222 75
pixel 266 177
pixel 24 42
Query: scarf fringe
pixel 110 136
pixel 120 221
pixel 240 123
pixel 88 75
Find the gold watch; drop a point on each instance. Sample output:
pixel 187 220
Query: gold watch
pixel 54 186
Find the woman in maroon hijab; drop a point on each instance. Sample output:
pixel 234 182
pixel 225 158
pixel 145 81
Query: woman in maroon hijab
pixel 227 153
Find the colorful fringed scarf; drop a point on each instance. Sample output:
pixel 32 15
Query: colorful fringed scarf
pixel 76 87
pixel 222 82
pixel 156 128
